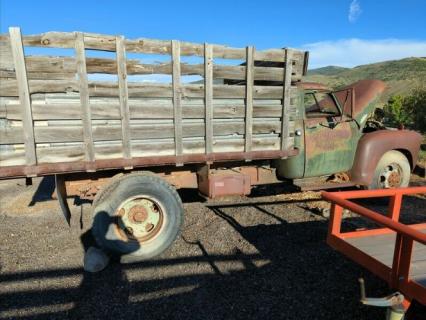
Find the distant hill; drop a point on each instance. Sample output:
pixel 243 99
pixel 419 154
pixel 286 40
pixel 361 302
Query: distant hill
pixel 328 71
pixel 401 76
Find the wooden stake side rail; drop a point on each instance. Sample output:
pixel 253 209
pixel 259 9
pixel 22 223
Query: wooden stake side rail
pixel 66 40
pixel 402 266
pixel 52 111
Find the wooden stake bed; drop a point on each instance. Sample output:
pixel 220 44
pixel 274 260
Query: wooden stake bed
pixel 94 108
pixel 396 253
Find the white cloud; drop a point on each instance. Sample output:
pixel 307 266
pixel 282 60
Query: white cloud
pixel 354 52
pixel 354 11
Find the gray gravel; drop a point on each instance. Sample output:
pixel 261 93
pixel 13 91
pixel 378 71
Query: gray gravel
pixel 243 258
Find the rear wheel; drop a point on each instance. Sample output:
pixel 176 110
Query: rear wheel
pixel 392 171
pixel 137 216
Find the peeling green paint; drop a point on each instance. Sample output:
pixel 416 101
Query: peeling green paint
pixel 327 144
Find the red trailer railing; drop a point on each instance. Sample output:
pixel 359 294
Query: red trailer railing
pixel 396 252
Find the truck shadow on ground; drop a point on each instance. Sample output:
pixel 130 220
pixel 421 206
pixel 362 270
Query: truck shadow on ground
pixel 302 279
pixel 44 191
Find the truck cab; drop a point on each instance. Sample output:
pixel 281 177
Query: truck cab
pixel 335 130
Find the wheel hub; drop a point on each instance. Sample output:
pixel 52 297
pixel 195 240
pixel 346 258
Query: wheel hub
pixel 138 214
pixel 139 219
pixel 391 176
pixel 394 179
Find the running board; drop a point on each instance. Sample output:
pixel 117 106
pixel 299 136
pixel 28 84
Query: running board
pixel 312 184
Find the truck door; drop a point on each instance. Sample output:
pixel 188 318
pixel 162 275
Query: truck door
pixel 330 137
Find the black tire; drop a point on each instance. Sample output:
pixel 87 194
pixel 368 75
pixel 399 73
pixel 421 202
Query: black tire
pixel 106 189
pixel 392 171
pixel 109 230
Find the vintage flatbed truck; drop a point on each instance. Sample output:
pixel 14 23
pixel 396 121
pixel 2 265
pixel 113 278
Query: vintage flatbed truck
pixel 80 108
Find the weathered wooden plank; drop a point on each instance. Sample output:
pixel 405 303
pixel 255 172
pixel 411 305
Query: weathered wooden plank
pixel 5 48
pixel 45 67
pixel 286 100
pixel 177 108
pixel 47 64
pixel 84 97
pixel 56 132
pixel 187 90
pixel 8 88
pixel 149 148
pixel 149 46
pixel 13 155
pixel 24 94
pixel 249 99
pixel 38 75
pixel 112 149
pixel 144 108
pixel 124 97
pixel 208 93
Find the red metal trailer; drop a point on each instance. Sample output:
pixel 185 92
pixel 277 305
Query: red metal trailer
pixel 396 252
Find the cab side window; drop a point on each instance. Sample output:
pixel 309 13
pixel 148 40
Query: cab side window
pixel 320 104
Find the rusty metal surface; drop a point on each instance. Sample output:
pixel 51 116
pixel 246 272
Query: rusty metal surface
pixel 324 186
pixel 312 86
pixel 224 183
pixel 180 179
pixel 373 145
pixel 110 164
pixel 139 219
pixel 215 182
pixel 329 145
pixel 85 188
pixel 365 91
pixel 61 193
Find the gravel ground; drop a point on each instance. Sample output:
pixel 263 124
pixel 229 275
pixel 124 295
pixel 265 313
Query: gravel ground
pixel 242 258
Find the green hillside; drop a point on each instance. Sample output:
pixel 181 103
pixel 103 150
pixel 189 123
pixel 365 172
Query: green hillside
pixel 401 76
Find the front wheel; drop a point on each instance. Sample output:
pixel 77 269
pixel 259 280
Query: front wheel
pixel 392 171
pixel 137 217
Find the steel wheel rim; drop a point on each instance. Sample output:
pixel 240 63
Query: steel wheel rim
pixel 391 176
pixel 139 219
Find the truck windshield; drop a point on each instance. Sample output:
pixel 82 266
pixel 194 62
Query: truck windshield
pixel 320 104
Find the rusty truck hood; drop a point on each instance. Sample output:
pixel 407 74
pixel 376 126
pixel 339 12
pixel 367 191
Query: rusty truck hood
pixel 366 94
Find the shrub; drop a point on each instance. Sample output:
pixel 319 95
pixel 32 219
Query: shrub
pixel 408 111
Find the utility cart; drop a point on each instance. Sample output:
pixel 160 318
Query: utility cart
pixel 396 252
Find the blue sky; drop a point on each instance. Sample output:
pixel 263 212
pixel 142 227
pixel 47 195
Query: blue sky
pixel 338 32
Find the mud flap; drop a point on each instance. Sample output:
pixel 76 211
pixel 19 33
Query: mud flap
pixel 61 192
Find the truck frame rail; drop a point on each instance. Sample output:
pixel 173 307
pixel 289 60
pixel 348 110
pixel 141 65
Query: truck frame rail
pixel 396 253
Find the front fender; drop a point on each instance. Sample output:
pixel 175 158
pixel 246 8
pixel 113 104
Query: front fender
pixel 373 145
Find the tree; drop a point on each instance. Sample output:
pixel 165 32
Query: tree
pixel 407 111
pixel 395 113
pixel 416 103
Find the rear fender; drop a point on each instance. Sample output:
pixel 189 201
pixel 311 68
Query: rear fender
pixel 372 146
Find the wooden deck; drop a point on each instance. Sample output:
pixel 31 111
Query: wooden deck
pixel 381 247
